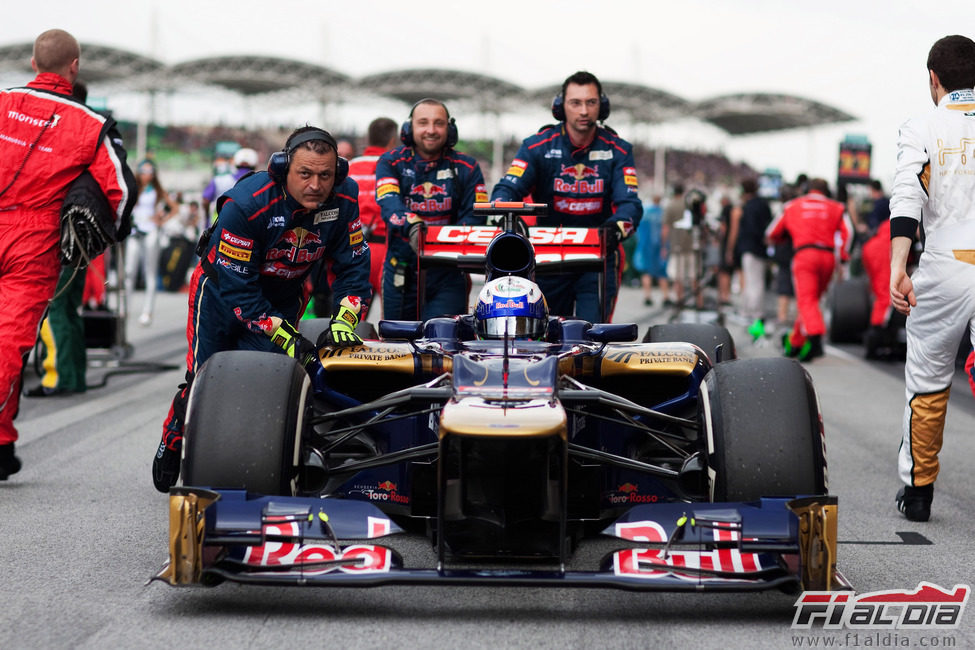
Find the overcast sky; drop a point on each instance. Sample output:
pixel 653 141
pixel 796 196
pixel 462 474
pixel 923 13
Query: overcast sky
pixel 864 57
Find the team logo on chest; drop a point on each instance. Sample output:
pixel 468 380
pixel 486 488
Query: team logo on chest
pixel 435 197
pixel 580 183
pixel 305 246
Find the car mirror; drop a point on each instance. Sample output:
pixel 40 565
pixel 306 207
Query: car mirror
pixel 612 332
pixel 401 329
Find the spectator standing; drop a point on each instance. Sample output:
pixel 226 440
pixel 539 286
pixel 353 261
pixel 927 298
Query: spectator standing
pixel 585 173
pixel 223 179
pixel 747 231
pixel 425 181
pixel 247 290
pixel 730 263
pixel 650 258
pixel 153 207
pixel 880 211
pixel 813 222
pixel 678 238
pixel 38 163
pixel 380 138
pixel 934 186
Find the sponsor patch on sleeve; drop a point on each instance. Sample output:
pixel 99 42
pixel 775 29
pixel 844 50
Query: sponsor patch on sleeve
pixel 355 238
pixel 480 193
pixel 386 185
pixel 629 176
pixel 236 240
pixel 234 252
pixel 517 167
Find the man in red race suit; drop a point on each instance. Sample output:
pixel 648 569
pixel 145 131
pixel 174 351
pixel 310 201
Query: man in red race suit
pixel 813 221
pixel 382 136
pixel 48 140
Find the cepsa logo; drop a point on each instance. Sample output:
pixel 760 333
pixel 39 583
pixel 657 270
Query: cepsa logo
pixel 537 236
pixel 926 607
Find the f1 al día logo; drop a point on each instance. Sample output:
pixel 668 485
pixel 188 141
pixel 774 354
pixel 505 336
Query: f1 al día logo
pixel 927 607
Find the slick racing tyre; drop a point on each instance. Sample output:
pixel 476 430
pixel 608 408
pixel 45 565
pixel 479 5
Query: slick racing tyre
pixel 849 303
pixel 244 423
pixel 704 335
pixel 762 428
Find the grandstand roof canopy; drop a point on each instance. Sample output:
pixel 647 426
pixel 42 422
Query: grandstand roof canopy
pixel 738 114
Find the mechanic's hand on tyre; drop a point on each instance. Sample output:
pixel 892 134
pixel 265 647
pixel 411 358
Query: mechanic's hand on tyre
pixel 294 344
pixel 415 225
pixel 341 331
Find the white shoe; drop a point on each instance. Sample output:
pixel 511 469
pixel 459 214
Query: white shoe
pixel 145 320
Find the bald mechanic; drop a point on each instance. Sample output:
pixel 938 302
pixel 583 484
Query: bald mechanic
pixel 47 139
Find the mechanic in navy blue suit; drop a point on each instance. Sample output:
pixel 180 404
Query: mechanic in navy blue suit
pixel 586 175
pixel 425 180
pixel 272 230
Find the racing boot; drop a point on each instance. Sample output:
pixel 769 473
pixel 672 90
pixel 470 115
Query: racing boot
pixel 788 349
pixel 812 348
pixel 915 502
pixel 9 464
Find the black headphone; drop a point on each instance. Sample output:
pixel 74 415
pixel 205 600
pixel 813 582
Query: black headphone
pixel 278 163
pixel 406 131
pixel 558 107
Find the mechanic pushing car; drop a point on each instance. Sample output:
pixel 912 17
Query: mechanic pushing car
pixel 933 188
pixel 585 173
pixel 425 181
pixel 246 292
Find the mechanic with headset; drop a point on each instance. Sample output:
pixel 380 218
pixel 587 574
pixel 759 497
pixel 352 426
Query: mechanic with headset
pixel 425 181
pixel 586 175
pixel 934 188
pixel 246 292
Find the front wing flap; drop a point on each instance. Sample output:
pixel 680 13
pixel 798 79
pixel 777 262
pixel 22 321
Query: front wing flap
pixel 232 535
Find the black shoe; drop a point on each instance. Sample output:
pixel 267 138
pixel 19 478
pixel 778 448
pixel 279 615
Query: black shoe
pixel 9 464
pixel 812 348
pixel 915 502
pixel 165 467
pixel 648 302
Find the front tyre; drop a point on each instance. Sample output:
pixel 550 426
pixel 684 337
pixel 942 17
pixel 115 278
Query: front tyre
pixel 244 423
pixel 763 430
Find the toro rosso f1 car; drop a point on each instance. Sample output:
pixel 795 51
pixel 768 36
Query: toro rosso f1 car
pixel 472 450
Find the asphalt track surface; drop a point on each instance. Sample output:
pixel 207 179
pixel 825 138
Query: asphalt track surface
pixel 82 529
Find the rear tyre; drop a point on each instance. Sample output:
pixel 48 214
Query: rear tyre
pixel 704 335
pixel 244 423
pixel 762 428
pixel 850 303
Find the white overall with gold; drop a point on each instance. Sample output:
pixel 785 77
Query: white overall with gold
pixel 935 182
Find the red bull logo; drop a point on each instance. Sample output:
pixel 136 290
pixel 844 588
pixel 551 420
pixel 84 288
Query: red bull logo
pixel 431 203
pixel 579 171
pixel 389 486
pixel 626 488
pixel 301 241
pixel 510 304
pixel 428 189
pixel 579 185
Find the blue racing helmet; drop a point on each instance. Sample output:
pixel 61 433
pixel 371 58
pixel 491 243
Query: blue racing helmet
pixel 511 306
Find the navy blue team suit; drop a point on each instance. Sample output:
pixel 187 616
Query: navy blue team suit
pixel 584 187
pixel 442 192
pixel 262 248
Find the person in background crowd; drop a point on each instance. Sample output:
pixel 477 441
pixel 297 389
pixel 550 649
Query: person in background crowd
pixel 748 224
pixel 153 207
pixel 38 164
pixel 813 222
pixel 425 181
pixel 272 229
pixel 728 265
pixel 934 186
pixel 677 237
pixel 880 211
pixel 649 258
pixel 586 175
pixel 346 149
pixel 381 137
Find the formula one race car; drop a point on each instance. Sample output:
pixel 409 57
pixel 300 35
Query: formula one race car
pixel 506 447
